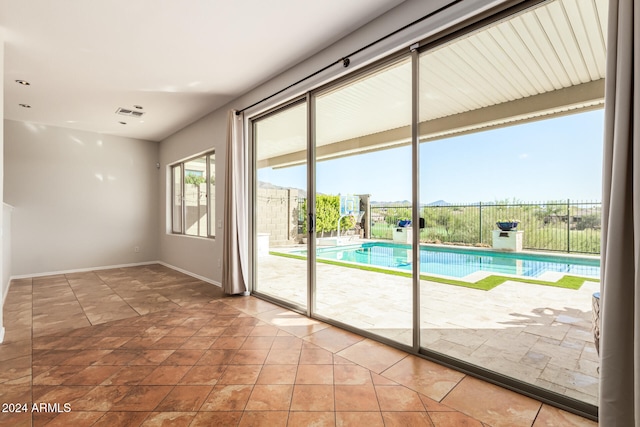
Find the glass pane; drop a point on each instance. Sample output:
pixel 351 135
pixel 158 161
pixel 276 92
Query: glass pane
pixel 495 150
pixel 212 194
pixel 280 205
pixel 176 205
pixel 195 197
pixel 364 279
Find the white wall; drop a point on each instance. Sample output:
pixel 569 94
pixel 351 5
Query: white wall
pixel 6 251
pixel 80 199
pixel 194 254
pixel 201 256
pixel 5 259
pixel 4 269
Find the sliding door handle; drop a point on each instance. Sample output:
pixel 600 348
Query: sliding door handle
pixel 312 223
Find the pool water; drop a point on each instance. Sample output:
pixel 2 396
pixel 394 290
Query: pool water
pixel 457 262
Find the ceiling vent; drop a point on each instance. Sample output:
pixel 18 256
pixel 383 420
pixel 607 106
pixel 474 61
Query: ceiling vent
pixel 128 112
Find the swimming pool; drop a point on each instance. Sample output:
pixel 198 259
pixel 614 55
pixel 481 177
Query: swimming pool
pixel 460 262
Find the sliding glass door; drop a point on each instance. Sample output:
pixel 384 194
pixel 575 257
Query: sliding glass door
pixel 497 143
pixel 280 189
pixel 363 157
pixel 376 199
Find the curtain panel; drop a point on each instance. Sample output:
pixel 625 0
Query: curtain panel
pixel 619 404
pixel 235 232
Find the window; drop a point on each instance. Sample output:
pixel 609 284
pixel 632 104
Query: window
pixel 193 196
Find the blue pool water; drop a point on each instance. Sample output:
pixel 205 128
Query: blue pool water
pixel 458 262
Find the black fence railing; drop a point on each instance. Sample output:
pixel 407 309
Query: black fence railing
pixel 566 226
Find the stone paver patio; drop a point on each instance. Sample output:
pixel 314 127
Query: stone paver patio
pixel 538 334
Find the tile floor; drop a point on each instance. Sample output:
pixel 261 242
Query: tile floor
pixel 150 346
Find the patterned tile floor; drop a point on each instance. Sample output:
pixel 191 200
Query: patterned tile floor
pixel 150 346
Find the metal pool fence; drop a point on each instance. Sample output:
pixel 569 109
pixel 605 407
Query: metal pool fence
pixel 567 226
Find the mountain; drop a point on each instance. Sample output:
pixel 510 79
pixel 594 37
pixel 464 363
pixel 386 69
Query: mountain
pixel 438 203
pixel 397 202
pixel 301 193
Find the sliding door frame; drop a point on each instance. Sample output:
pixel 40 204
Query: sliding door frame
pixel 484 19
pixel 312 96
pixel 253 187
pixel 311 205
pixel 415 185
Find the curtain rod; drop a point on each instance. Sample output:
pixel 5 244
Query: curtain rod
pixel 346 61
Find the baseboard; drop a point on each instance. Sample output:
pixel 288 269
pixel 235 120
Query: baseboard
pixel 188 273
pixel 6 292
pixel 1 334
pixel 81 270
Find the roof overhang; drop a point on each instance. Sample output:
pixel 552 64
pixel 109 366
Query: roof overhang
pixel 546 62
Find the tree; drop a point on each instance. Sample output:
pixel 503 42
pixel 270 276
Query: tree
pixel 589 221
pixel 327 215
pixel 397 213
pixel 194 179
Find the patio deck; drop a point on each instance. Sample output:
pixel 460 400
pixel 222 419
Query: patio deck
pixel 538 334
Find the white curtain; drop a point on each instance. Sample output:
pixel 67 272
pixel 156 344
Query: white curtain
pixel 620 287
pixel 235 235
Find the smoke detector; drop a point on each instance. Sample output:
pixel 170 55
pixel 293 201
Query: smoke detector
pixel 128 112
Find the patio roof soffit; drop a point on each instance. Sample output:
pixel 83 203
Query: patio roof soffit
pixel 570 100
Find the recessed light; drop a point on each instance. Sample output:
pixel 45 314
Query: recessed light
pixel 25 105
pixel 123 123
pixel 139 107
pixel 23 82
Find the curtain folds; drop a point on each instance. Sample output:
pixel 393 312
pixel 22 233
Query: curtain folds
pixel 619 404
pixel 235 233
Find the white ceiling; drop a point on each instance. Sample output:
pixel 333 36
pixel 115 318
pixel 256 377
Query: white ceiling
pixel 179 60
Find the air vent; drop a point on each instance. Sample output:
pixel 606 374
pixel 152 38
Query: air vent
pixel 128 112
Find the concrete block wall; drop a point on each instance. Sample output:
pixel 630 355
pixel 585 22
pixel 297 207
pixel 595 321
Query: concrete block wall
pixel 277 215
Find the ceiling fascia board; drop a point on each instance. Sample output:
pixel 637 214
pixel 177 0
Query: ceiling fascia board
pixel 583 97
pixel 521 110
pixel 377 141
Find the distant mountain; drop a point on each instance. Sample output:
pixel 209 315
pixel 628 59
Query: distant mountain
pixel 396 202
pixel 438 203
pixel 301 193
pixel 408 203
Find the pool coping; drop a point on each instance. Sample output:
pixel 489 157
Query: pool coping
pixel 490 281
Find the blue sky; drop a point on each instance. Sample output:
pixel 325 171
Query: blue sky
pixel 552 159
